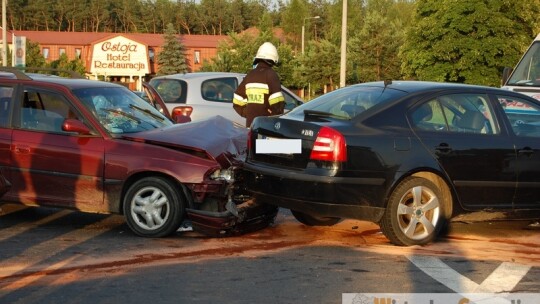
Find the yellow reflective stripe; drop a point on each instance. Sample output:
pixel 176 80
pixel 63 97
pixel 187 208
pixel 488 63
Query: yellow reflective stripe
pixel 239 100
pixel 255 92
pixel 256 85
pixel 275 98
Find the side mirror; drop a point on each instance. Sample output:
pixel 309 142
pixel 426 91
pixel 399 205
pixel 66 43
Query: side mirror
pixel 507 71
pixel 76 126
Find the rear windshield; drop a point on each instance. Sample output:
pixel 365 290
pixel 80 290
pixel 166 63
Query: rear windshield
pixel 170 90
pixel 349 102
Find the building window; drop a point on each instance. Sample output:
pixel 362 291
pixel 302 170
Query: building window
pixel 45 52
pixel 62 51
pixel 78 53
pixel 197 57
pixel 151 54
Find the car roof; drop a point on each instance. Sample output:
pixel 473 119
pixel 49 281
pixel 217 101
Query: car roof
pixel 75 83
pixel 70 83
pixel 197 75
pixel 412 86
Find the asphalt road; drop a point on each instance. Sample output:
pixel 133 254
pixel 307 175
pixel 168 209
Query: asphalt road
pixel 54 256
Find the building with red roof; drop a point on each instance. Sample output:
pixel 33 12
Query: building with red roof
pixel 123 57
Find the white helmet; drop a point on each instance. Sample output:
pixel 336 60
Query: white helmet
pixel 267 51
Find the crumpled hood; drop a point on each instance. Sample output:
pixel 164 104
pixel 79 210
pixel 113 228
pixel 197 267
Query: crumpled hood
pixel 217 136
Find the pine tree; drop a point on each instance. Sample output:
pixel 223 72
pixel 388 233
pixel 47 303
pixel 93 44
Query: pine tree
pixel 34 58
pixel 172 58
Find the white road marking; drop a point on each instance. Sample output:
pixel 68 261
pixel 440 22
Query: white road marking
pixel 503 279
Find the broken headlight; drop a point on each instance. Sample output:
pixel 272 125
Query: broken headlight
pixel 223 174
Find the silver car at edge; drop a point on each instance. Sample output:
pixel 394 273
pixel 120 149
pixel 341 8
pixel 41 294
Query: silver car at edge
pixel 200 95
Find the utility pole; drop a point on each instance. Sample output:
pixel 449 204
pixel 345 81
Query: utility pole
pixel 4 34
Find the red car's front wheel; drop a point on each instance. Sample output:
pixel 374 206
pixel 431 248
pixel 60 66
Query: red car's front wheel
pixel 153 208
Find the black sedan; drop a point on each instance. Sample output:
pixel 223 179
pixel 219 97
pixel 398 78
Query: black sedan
pixel 407 155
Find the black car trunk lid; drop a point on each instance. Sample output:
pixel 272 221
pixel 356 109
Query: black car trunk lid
pixel 270 128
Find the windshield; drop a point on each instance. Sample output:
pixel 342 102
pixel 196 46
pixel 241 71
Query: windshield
pixel 121 111
pixel 527 72
pixel 348 102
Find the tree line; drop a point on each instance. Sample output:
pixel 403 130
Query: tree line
pixel 467 41
pixel 211 17
pixel 436 40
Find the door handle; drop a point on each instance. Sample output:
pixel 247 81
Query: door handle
pixel 526 151
pixel 443 148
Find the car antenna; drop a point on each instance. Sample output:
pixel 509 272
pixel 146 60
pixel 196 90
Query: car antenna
pixel 387 82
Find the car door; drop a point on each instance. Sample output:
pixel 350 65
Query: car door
pixel 6 95
pixel 48 165
pixel 524 118
pixel 153 98
pixel 463 134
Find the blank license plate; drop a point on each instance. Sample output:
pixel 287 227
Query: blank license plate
pixel 270 145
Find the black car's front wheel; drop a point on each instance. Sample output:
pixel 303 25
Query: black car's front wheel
pixel 312 220
pixel 414 214
pixel 153 207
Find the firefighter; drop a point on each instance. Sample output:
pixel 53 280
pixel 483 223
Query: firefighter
pixel 259 94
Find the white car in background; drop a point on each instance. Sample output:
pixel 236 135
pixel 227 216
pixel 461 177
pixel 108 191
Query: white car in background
pixel 205 94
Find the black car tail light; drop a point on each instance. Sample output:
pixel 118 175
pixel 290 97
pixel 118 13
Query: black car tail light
pixel 329 145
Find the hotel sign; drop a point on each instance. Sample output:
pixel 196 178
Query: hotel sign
pixel 119 56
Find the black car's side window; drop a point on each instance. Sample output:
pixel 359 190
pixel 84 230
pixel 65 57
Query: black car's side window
pixel 429 117
pixel 45 111
pixel 461 113
pixel 469 113
pixel 524 116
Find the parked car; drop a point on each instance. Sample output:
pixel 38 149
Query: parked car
pixel 205 94
pixel 406 155
pixel 150 95
pixel 96 146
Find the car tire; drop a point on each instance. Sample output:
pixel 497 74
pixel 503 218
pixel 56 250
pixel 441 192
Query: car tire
pixel 153 207
pixel 311 220
pixel 414 214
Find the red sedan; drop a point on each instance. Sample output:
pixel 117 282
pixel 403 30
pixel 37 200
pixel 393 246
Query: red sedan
pixel 97 147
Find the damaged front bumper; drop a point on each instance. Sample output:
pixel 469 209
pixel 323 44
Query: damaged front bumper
pixel 224 207
pixel 237 219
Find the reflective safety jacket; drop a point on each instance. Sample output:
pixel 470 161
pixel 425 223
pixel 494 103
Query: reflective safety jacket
pixel 259 94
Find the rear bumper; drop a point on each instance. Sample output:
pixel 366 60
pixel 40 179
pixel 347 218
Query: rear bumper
pixel 358 198
pixel 251 217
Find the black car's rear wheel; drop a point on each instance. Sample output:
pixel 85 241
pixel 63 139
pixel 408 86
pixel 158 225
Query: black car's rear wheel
pixel 414 214
pixel 312 220
pixel 153 207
